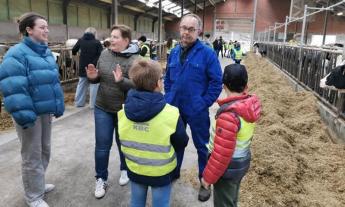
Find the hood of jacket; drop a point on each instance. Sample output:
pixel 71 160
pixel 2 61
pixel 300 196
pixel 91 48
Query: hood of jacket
pixel 141 106
pixel 132 49
pixel 246 106
pixel 88 36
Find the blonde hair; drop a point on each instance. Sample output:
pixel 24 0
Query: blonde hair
pixel 91 30
pixel 145 74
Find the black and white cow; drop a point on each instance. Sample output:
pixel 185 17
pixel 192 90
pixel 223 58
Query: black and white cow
pixel 335 80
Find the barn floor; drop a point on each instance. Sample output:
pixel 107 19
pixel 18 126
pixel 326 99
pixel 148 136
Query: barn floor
pixel 294 161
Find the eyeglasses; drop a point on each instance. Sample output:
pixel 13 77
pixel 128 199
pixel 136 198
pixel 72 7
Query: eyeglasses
pixel 190 29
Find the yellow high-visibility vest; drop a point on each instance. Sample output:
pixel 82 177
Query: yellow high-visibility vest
pixel 238 54
pixel 146 145
pixel 147 55
pixel 243 139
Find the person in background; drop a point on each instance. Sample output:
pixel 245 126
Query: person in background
pixel 231 136
pixel 110 97
pixel 192 83
pixel 149 138
pixel 237 53
pixel 207 40
pixel 153 49
pixel 90 49
pixel 145 51
pixel 170 46
pixel 29 81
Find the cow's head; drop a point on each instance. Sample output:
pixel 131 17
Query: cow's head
pixel 337 77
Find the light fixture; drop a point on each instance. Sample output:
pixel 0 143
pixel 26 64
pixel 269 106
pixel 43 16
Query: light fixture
pixel 339 13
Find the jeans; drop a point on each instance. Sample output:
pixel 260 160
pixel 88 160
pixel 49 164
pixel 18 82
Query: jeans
pixel 80 94
pixel 35 152
pixel 105 124
pixel 160 195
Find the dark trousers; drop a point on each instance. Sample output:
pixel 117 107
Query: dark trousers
pixel 199 125
pixel 225 193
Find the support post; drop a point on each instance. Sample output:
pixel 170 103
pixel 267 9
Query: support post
pixel 302 42
pixel 160 29
pixel 285 28
pixel 254 23
pixel 325 24
pixel 114 12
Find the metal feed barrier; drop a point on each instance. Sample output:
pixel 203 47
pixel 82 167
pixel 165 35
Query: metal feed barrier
pixel 307 68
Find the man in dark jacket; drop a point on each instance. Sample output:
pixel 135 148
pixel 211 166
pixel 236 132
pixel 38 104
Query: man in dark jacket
pixel 90 50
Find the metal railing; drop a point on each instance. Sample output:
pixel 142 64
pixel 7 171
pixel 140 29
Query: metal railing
pixel 314 64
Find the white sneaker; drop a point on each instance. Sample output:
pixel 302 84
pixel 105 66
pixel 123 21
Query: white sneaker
pixel 38 203
pixel 123 178
pixel 101 187
pixel 48 188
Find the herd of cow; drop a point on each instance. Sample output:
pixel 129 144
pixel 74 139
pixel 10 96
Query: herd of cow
pixel 334 80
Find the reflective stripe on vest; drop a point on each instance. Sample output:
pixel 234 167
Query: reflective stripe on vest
pixel 147 55
pixel 238 54
pixel 146 145
pixel 243 138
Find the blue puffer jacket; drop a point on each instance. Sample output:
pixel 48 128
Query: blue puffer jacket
pixel 29 81
pixel 195 85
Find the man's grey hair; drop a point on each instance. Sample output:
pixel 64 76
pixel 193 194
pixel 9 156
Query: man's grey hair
pixel 91 30
pixel 196 17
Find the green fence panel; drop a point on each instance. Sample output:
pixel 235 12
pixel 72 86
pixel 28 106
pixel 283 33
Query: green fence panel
pixel 18 7
pixel 40 6
pixel 55 12
pixel 105 19
pixel 72 15
pixel 3 10
pixel 95 14
pixel 83 16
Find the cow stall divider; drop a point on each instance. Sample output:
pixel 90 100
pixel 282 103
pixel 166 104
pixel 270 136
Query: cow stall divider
pixel 68 64
pixel 308 69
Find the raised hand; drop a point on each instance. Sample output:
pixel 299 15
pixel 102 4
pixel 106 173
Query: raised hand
pixel 117 72
pixel 91 71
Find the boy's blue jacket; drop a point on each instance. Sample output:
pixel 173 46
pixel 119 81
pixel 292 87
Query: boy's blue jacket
pixel 195 85
pixel 29 81
pixel 141 106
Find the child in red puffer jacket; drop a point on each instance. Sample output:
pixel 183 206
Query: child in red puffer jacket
pixel 231 136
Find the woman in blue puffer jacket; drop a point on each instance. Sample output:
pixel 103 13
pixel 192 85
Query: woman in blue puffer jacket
pixel 29 81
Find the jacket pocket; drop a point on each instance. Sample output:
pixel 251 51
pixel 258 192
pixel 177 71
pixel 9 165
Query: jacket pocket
pixel 173 71
pixel 198 104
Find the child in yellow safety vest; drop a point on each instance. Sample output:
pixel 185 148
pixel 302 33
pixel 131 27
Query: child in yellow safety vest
pixel 230 138
pixel 237 53
pixel 150 132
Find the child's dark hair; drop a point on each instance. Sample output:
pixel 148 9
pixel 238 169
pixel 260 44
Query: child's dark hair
pixel 235 77
pixel 28 20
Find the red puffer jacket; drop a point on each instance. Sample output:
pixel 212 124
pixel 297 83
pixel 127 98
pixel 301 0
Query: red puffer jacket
pixel 227 125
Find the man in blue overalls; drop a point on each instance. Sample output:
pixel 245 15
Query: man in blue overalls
pixel 192 83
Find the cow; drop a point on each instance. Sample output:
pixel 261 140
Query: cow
pixel 260 48
pixel 335 80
